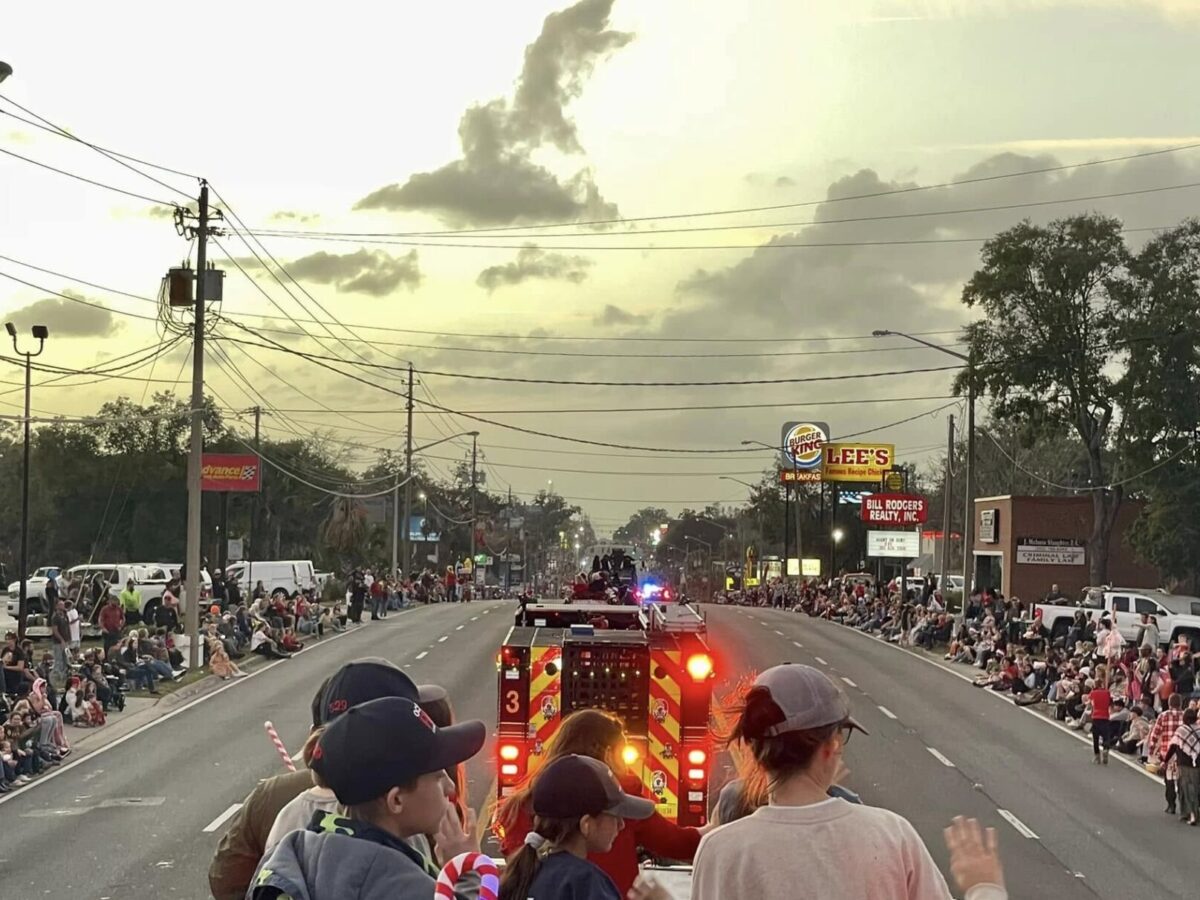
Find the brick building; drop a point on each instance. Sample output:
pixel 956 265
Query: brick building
pixel 1025 544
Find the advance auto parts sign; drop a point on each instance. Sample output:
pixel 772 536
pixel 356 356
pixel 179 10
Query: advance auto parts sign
pixel 229 472
pixel 801 447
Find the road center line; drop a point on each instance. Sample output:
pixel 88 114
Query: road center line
pixel 474 618
pixel 798 644
pixel 778 632
pixel 222 818
pixel 887 712
pixel 849 682
pixel 422 654
pixel 821 661
pixel 1022 828
pixel 442 638
pixel 937 754
pixel 459 627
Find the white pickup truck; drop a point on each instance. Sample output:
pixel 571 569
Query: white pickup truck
pixel 1178 615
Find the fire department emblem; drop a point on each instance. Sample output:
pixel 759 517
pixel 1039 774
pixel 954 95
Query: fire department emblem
pixel 537 748
pixel 660 711
pixel 668 752
pixel 658 784
pixel 549 710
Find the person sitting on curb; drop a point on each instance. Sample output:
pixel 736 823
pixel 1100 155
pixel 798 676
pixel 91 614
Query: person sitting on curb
pixel 385 760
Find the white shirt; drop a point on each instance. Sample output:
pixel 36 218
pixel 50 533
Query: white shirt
pixel 852 852
pixel 73 623
pixel 257 640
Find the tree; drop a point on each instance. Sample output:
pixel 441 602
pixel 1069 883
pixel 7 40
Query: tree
pixel 345 531
pixel 1161 328
pixel 636 532
pixel 1050 297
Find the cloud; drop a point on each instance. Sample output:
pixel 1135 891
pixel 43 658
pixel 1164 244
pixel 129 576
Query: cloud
pixel 532 262
pixel 66 318
pixel 496 182
pixel 614 315
pixel 784 181
pixel 287 215
pixel 921 10
pixel 372 272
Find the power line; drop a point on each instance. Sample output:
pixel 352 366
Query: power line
pixel 99 184
pixel 769 245
pixel 362 326
pixel 640 409
pixel 115 157
pixel 57 130
pixel 79 300
pixel 507 379
pixel 822 201
pixel 807 223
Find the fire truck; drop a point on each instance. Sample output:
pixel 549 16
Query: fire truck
pixel 650 665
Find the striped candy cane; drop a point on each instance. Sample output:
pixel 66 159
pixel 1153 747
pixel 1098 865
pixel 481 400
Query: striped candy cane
pixel 489 875
pixel 283 754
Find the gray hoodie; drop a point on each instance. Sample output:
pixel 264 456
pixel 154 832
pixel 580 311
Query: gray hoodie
pixel 343 859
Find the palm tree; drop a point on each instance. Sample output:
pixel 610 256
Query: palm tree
pixel 345 531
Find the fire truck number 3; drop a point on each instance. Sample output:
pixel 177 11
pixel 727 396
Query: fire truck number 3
pixel 512 702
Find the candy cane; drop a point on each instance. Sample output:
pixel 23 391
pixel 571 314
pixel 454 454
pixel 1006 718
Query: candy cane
pixel 283 754
pixel 489 874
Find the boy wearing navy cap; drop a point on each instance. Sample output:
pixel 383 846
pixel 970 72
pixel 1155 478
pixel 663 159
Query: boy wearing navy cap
pixel 385 760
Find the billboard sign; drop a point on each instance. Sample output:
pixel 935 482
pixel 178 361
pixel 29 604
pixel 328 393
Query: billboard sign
pixel 1051 551
pixel 989 526
pixel 894 509
pixel 858 462
pixel 230 472
pixel 894 544
pixel 800 446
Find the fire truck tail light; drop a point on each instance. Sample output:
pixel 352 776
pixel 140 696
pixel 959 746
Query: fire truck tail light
pixel 695 775
pixel 697 757
pixel 699 666
pixel 509 752
pixel 509 769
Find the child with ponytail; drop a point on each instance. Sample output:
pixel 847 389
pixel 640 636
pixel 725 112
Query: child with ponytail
pixel 578 808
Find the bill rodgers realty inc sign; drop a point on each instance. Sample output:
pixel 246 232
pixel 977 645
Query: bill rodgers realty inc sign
pixel 894 509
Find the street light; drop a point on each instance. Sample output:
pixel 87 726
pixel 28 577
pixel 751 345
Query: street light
pixel 40 332
pixel 969 491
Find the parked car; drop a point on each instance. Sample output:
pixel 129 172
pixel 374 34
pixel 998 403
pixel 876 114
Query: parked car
pixel 1178 615
pixel 286 575
pixel 35 590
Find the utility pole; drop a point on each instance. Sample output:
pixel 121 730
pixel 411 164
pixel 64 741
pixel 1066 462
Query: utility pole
pixel 474 477
pixel 968 531
pixel 192 562
pixel 947 499
pixel 41 332
pixel 406 560
pixel 249 553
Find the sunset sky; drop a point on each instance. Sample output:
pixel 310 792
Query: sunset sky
pixel 463 116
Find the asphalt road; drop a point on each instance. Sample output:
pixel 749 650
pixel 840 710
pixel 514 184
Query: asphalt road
pixel 940 747
pixel 142 817
pixel 130 821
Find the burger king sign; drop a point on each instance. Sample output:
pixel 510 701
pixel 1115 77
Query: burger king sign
pixel 802 447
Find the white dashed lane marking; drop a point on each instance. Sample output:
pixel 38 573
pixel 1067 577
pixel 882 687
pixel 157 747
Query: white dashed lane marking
pixel 422 654
pixel 1022 828
pixel 940 757
pixel 849 682
pixel 222 819
pixel 821 661
pixel 443 637
pixel 887 712
pixel 474 618
pixel 459 627
pixel 778 632
pixel 797 644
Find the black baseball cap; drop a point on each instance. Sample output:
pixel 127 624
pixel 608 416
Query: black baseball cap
pixel 384 743
pixel 370 679
pixel 581 786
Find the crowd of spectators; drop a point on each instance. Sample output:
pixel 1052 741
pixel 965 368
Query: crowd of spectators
pixel 1131 696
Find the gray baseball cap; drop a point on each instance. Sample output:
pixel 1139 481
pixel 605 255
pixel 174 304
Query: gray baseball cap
pixel 807 697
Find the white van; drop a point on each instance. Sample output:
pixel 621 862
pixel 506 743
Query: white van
pixel 287 575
